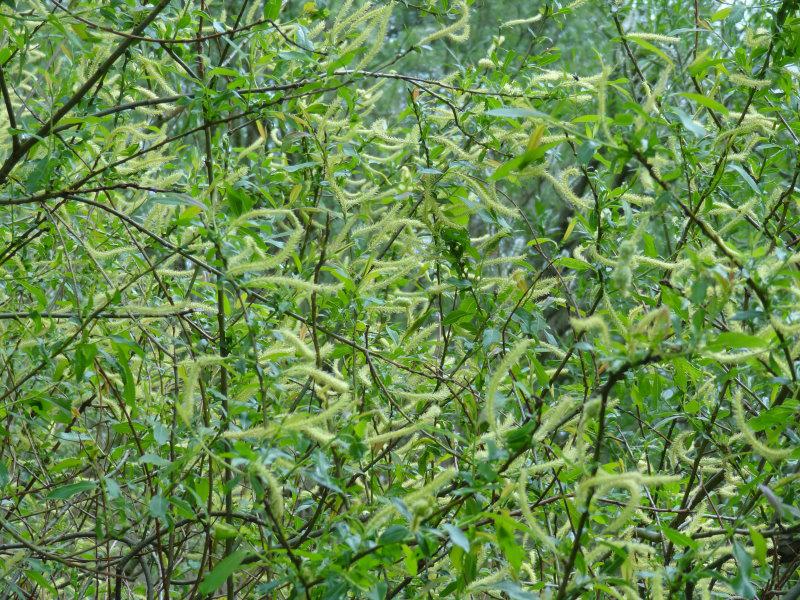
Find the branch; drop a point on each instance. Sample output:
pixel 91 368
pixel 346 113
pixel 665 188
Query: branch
pixel 10 111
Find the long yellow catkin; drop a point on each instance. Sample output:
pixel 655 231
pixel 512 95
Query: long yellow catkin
pixel 302 348
pixel 290 282
pixel 653 37
pixel 527 21
pixel 497 377
pixel 593 323
pixel 522 498
pixel 562 186
pixel 749 82
pixel 553 417
pixel 421 421
pixel 272 261
pixel 275 495
pixel 773 454
pixel 457 32
pixel 320 376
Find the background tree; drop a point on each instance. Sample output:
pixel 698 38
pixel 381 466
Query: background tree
pixel 399 299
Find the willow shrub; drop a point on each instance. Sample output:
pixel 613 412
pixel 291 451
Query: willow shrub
pixel 303 302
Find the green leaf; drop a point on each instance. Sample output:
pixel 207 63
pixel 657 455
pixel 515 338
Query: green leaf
pixel 158 507
pixel 153 459
pixel 521 436
pixel 586 151
pixel 225 72
pixel 575 264
pixel 513 591
pixel 508 167
pixel 410 560
pixel 217 576
pixel 678 538
pixel 735 340
pixel 112 488
pixel 721 14
pixel 378 591
pixel 513 552
pixel 71 489
pixel 692 126
pixel 65 464
pixel 651 48
pixel 776 415
pixel 692 407
pixel 746 176
pixel 521 161
pixel 703 62
pixel 298 166
pixel 457 536
pixel 41 175
pixel 3 475
pixel 705 101
pixel 129 385
pixel 741 583
pixel 490 337
pixel 84 356
pixel 41 581
pixel 759 545
pixel 394 534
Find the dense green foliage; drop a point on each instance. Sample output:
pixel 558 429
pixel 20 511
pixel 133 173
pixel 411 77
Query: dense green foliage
pixel 413 299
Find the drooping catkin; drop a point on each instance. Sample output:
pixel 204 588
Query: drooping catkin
pixel 562 186
pixel 774 454
pixel 653 37
pixel 522 498
pixel 457 31
pixel 497 377
pixel 270 262
pixel 300 285
pixel 528 21
pixel 748 82
pixel 185 407
pixel 419 423
pixel 275 495
pixel 321 377
pixel 554 417
pixel 631 480
pixel 379 26
pixel 302 348
pixel 592 323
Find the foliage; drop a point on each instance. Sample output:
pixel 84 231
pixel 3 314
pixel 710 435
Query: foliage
pixel 399 299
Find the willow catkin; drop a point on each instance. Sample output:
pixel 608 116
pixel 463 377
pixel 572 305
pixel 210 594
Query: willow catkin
pixel 536 530
pixel 773 454
pixel 457 31
pixel 497 377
